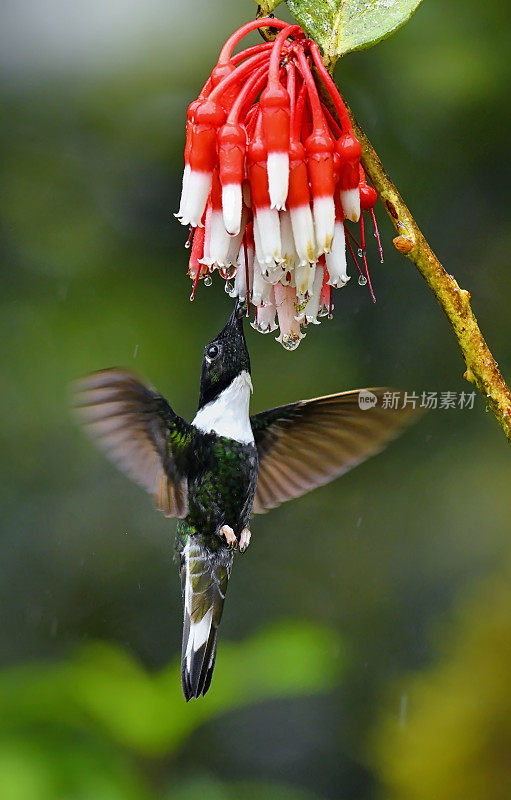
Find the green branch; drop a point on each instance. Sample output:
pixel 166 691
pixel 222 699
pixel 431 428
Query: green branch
pixel 340 26
pixel 482 368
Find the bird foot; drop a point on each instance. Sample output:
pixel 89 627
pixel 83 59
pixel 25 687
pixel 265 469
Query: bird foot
pixel 229 534
pixel 244 539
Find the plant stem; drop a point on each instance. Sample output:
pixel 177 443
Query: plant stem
pixel 482 369
pixel 265 9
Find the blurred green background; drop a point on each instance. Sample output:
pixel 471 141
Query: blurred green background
pixel 366 644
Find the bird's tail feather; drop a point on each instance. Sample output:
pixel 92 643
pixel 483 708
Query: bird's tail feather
pixel 204 576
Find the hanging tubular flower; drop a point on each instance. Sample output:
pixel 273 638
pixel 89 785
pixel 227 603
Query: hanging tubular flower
pixel 271 180
pixel 275 113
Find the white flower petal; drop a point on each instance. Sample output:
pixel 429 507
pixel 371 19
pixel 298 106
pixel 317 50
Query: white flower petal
pixel 336 259
pixel 231 207
pixel 277 167
pixel 196 197
pixel 303 232
pixel 350 201
pixel 267 235
pixel 323 209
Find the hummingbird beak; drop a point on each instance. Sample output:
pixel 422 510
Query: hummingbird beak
pixel 235 321
pixel 240 308
pixel 238 311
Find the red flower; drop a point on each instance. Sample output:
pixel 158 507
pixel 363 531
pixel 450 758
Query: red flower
pixel 270 179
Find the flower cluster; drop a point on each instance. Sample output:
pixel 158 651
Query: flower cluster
pixel 270 180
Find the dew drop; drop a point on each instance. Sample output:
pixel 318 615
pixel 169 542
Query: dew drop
pixel 229 286
pixel 360 252
pixel 362 280
pixel 257 326
pixel 208 280
pixel 290 342
pixel 330 316
pixel 188 242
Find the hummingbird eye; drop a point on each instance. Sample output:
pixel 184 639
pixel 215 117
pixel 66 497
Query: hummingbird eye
pixel 212 352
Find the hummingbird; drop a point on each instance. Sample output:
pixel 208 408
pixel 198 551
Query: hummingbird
pixel 212 474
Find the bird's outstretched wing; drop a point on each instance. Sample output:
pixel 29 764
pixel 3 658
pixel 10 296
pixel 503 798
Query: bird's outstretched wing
pixel 306 444
pixel 139 432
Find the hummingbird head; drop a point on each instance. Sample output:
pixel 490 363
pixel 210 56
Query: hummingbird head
pixel 225 358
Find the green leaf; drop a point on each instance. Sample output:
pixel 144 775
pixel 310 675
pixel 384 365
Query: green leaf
pixel 198 788
pixel 103 691
pixel 341 26
pixel 287 659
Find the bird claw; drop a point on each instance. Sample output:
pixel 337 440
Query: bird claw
pixel 244 539
pixel 229 535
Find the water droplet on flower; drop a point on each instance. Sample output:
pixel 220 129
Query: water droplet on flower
pixel 229 286
pixel 290 341
pixel 208 280
pixel 260 328
pixel 323 312
pixel 362 280
pixel 330 316
pixel 228 273
pixel 360 252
